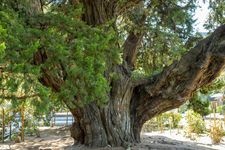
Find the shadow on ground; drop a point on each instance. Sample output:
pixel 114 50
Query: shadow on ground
pixel 164 143
pixel 59 139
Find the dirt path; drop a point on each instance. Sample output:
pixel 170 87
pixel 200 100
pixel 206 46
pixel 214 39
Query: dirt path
pixel 50 139
pixel 59 139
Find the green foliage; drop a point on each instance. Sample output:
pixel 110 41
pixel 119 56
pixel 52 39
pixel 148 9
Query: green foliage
pixel 2 50
pixel 199 103
pixel 80 55
pixel 183 108
pixel 2 44
pixel 31 125
pixel 174 118
pixel 165 120
pixel 169 25
pixel 167 28
pixel 83 52
pixel 216 15
pixel 195 123
pixel 221 109
pixel 138 73
pixel 19 76
pixel 217 85
pixel 85 59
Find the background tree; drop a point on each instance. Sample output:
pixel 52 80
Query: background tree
pixel 199 103
pixel 200 100
pixel 216 15
pixel 90 53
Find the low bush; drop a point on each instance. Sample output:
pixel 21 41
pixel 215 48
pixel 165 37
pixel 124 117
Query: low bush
pixel 150 125
pixel 195 123
pixel 162 121
pixel 174 118
pixel 216 133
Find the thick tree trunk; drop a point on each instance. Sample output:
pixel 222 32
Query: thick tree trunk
pixel 175 85
pixel 108 125
pixel 133 102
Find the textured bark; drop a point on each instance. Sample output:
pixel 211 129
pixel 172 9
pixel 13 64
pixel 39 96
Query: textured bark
pixel 98 12
pixel 131 44
pixel 171 88
pixel 131 103
pixel 109 125
pixel 130 49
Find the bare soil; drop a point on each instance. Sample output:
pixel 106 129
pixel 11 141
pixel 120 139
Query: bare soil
pixel 59 139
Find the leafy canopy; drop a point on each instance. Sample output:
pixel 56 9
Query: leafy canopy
pixel 81 55
pixel 84 52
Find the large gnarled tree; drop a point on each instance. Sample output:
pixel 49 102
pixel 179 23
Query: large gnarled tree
pixel 73 51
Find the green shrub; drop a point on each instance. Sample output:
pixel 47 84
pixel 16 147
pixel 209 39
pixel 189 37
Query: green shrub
pixel 174 118
pixel 31 126
pixel 199 103
pixel 195 123
pixel 221 109
pixel 162 121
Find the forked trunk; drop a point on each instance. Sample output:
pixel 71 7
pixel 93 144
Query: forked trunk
pixel 132 102
pixel 110 124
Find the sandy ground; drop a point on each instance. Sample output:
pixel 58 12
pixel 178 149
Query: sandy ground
pixel 172 140
pixel 59 139
pixel 50 139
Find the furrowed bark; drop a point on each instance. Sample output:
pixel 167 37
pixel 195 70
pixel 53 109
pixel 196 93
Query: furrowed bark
pixel 131 103
pixel 134 38
pixel 108 125
pixel 171 88
pixel 130 49
pixel 98 12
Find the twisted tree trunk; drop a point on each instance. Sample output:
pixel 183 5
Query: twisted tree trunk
pixel 133 102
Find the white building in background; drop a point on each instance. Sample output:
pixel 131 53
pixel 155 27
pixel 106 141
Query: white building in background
pixel 62 119
pixel 218 97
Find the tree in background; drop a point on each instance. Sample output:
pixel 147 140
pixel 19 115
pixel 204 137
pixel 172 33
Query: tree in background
pixel 216 14
pixel 200 100
pixel 199 103
pixel 115 64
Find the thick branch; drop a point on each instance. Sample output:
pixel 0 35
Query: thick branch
pixel 130 46
pixel 98 12
pixel 171 88
pixel 130 49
